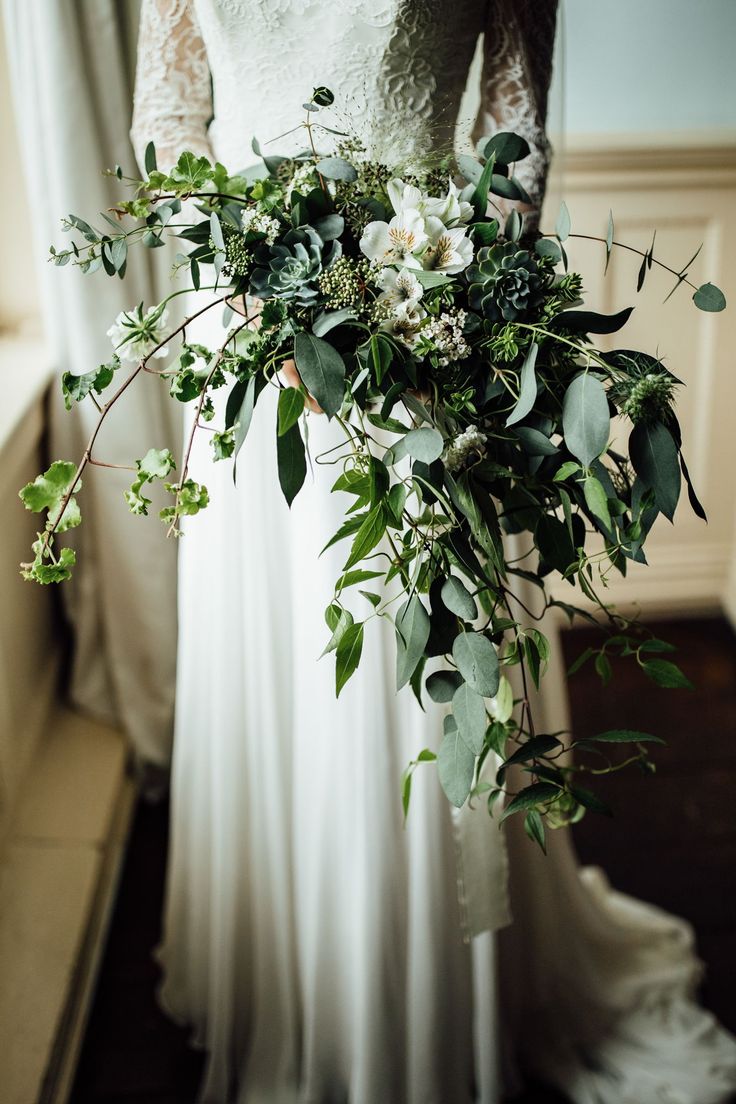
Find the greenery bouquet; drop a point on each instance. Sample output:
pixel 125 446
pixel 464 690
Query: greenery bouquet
pixel 453 349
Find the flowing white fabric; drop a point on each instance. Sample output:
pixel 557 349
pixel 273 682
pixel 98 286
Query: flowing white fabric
pixel 313 942
pixel 72 96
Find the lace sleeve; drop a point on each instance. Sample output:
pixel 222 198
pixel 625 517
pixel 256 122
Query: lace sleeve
pixel 517 68
pixel 173 98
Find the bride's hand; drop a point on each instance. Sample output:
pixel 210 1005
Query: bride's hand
pixel 292 379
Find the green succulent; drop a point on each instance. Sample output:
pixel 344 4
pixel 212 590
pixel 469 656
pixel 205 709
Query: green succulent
pixel 290 269
pixel 505 282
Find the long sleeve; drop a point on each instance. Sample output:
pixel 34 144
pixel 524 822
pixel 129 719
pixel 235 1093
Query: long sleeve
pixel 517 68
pixel 173 98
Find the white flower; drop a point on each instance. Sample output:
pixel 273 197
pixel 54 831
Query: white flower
pixel 260 223
pixel 472 441
pixel 397 241
pixel 134 334
pixel 446 334
pixel 404 197
pixel 404 322
pixel 399 287
pixel 449 250
pixel 451 209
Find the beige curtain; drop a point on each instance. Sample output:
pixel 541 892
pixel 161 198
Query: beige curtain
pixel 71 73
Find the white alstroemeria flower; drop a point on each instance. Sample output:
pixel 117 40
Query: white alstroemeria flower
pixel 451 209
pixel 399 286
pixel 134 334
pixel 395 242
pixel 405 321
pixel 404 197
pixel 449 250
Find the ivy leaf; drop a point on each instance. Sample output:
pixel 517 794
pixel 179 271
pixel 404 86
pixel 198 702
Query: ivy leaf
pixel 455 765
pixel 322 370
pixel 477 662
pixel 291 405
pixel 75 388
pixel 654 457
pixel 469 711
pixel 47 492
pixel 585 420
pixel 412 634
pixel 292 462
pixel 348 654
pixel 527 387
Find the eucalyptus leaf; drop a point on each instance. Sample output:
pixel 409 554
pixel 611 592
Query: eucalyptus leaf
pixel 585 418
pixel 455 768
pixel 469 711
pixel 477 662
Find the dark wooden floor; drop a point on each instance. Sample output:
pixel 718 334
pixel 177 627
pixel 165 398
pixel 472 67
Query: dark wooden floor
pixel 672 841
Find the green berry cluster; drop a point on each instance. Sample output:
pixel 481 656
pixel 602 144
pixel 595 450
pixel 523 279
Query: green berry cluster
pixel 343 283
pixel 238 257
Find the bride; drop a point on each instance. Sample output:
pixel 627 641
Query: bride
pixel 322 952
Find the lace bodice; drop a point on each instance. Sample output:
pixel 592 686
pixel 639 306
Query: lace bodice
pixel 398 68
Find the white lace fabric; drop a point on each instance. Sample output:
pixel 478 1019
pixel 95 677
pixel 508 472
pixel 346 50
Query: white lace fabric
pixel 397 67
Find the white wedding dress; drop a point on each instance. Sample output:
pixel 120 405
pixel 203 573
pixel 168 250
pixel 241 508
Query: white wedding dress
pixel 320 950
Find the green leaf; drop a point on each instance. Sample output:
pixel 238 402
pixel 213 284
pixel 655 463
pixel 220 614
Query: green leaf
pixel 455 766
pixel 596 500
pixel 75 388
pixel 585 419
pixel 240 405
pixel 149 159
pixel 412 634
pixel 624 736
pixel 527 387
pixel 469 711
pixel 322 370
pixel 609 241
pixel 291 406
pixel 506 147
pixel 50 571
pixel 562 226
pixel 337 168
pixel 709 298
pixel 326 322
pixel 531 796
pixel 591 801
pixel 348 654
pixel 442 685
pixel 532 748
pixel 292 462
pixel 339 627
pixel 534 828
pixel 368 535
pixel 578 321
pixel 570 467
pixel 458 599
pixel 653 454
pixel 477 662
pixel 423 444
pixel 667 674
pixel 47 492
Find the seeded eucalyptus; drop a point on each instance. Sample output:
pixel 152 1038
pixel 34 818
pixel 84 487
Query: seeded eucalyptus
pixel 454 354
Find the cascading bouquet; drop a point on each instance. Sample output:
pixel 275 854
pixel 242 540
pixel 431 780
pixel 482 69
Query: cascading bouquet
pixel 452 350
